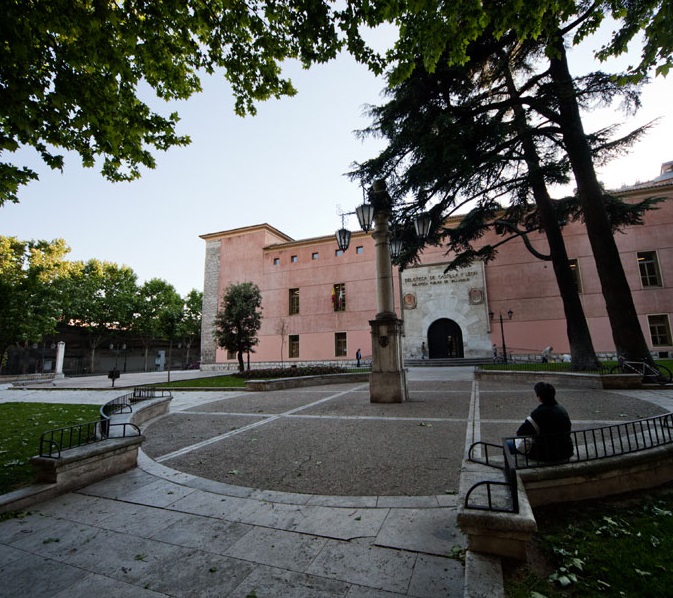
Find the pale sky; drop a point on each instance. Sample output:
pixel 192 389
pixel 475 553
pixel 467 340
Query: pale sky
pixel 285 166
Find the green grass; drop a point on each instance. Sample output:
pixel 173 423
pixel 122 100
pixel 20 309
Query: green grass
pixel 227 381
pixel 607 548
pixel 558 366
pixel 21 425
pixel 237 380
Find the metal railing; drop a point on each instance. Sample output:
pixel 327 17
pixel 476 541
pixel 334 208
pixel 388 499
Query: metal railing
pixel 590 444
pixel 53 442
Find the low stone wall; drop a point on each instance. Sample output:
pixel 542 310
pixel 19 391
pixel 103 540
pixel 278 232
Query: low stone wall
pixel 603 477
pixel 564 379
pixel 19 380
pixel 300 382
pixel 492 532
pixel 84 465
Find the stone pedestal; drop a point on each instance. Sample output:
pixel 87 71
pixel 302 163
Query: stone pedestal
pixel 388 380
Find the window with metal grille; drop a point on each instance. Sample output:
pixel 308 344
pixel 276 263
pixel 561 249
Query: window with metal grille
pixel 294 345
pixel 294 301
pixel 575 269
pixel 340 346
pixel 339 297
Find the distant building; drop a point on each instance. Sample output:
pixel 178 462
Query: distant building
pixel 317 301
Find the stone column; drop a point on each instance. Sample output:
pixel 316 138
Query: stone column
pixel 388 381
pixel 60 354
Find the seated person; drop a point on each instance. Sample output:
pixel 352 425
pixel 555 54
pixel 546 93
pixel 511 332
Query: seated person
pixel 548 427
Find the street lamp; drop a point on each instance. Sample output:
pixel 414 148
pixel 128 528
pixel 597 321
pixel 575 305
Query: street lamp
pixel 387 381
pixel 114 374
pixel 510 313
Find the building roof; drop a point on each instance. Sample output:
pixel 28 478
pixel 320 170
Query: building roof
pixel 248 229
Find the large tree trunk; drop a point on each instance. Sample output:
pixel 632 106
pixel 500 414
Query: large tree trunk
pixel 582 353
pixel 626 332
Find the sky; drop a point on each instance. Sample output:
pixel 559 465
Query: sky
pixel 284 166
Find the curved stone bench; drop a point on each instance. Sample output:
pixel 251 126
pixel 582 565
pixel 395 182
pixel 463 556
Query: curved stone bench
pixel 639 460
pixel 83 465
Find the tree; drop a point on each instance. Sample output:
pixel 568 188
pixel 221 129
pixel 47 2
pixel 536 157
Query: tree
pixel 484 132
pixel 238 319
pixel 423 34
pixel 74 75
pixel 157 313
pixel 99 299
pixel 281 331
pixel 190 325
pixel 29 297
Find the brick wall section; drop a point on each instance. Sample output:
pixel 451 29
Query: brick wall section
pixel 211 283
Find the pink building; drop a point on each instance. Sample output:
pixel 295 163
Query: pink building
pixel 317 301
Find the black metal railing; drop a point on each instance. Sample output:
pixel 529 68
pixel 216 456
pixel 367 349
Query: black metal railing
pixel 526 365
pixel 53 442
pixel 589 444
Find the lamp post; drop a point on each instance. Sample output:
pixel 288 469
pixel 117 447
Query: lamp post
pixel 510 313
pixel 387 381
pixel 114 374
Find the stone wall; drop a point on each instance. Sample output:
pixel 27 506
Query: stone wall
pixel 211 282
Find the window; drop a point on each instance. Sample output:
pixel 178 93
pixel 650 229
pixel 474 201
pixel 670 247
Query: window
pixel 649 269
pixel 359 249
pixel 294 345
pixel 339 297
pixel 314 255
pixel 660 330
pixel 339 252
pixel 276 261
pixel 340 347
pixel 575 269
pixel 294 301
pixel 293 259
pixel 231 354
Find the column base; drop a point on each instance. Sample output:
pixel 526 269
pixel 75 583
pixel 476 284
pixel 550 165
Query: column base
pixel 388 387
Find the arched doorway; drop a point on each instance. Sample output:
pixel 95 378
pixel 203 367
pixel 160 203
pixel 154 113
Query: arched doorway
pixel 445 339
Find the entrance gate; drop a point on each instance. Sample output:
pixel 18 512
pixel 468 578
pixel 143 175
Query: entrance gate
pixel 445 339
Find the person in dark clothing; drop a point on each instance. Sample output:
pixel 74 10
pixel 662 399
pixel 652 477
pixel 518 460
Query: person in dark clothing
pixel 547 429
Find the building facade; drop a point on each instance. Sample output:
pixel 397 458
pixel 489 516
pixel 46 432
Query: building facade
pixel 317 301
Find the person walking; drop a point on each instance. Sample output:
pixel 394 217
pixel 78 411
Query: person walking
pixel 546 354
pixel 358 356
pixel 424 351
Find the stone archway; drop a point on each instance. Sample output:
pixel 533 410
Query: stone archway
pixel 445 340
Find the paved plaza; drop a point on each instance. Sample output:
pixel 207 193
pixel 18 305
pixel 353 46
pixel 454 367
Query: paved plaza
pixel 310 492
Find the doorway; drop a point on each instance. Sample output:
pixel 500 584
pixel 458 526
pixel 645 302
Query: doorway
pixel 445 340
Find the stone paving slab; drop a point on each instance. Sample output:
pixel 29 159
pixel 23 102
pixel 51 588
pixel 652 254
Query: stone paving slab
pixel 336 456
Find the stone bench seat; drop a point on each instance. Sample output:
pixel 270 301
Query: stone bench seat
pixel 605 463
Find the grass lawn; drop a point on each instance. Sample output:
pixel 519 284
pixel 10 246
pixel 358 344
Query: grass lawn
pixel 21 425
pixel 558 366
pixel 237 380
pixel 210 382
pixel 618 547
